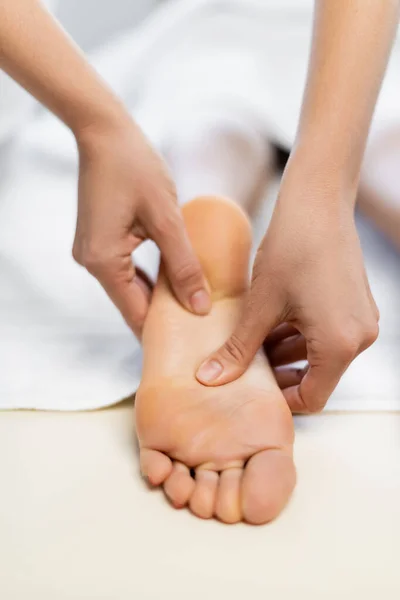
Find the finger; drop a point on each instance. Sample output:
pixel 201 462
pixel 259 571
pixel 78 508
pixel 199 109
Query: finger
pixel 232 359
pixel 289 376
pixel 144 279
pixel 132 298
pixel 314 390
pixel 117 275
pixel 181 264
pixel 280 333
pixel 288 351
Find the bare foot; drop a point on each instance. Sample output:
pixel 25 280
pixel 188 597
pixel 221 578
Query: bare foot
pixel 237 439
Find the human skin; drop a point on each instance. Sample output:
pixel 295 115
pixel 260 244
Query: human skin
pixel 309 270
pixel 125 192
pixel 227 155
pixel 238 439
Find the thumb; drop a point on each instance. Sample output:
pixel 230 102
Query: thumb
pixel 232 359
pixel 182 266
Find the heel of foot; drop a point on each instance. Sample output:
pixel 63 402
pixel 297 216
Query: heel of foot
pixel 221 236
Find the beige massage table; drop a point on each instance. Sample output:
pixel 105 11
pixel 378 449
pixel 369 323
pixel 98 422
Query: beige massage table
pixel 77 521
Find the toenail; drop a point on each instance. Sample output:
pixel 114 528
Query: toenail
pixel 200 302
pixel 209 371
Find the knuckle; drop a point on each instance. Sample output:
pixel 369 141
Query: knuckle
pixel 316 406
pixel 377 313
pixel 311 401
pixel 170 190
pixel 165 224
pixel 313 404
pixel 347 349
pixel 94 260
pixel 345 346
pixel 347 341
pixel 235 349
pixel 187 275
pixel 76 254
pixel 370 335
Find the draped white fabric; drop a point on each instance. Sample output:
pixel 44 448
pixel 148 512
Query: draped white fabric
pixel 63 346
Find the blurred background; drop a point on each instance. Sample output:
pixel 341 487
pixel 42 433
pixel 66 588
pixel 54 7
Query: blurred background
pixel 90 22
pixel 59 331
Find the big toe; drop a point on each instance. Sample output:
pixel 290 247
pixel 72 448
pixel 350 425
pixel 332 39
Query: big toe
pixel 268 481
pixel 155 465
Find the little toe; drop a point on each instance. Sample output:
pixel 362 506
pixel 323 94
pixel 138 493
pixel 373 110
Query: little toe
pixel 268 481
pixel 179 485
pixel 202 501
pixel 228 507
pixel 155 465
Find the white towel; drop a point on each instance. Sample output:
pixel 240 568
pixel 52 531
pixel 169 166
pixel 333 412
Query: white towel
pixel 63 345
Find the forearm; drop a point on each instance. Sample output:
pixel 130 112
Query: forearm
pixel 351 44
pixel 37 53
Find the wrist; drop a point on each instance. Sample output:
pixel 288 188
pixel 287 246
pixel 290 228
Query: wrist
pixel 314 181
pixel 324 162
pixel 100 123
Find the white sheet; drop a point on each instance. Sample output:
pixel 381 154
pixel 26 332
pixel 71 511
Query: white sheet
pixel 63 345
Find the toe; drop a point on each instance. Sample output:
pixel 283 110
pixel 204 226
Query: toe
pixel 179 485
pixel 155 465
pixel 268 481
pixel 202 502
pixel 228 497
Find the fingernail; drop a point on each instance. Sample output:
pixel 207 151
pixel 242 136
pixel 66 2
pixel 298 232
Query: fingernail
pixel 209 371
pixel 200 302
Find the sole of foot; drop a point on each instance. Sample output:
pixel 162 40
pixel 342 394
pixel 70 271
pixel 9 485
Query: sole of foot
pixel 225 452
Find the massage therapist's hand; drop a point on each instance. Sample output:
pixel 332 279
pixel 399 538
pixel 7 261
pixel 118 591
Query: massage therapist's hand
pixel 125 193
pixel 126 196
pixel 308 273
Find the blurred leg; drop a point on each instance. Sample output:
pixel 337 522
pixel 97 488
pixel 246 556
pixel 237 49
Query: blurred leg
pixel 379 195
pixel 220 155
